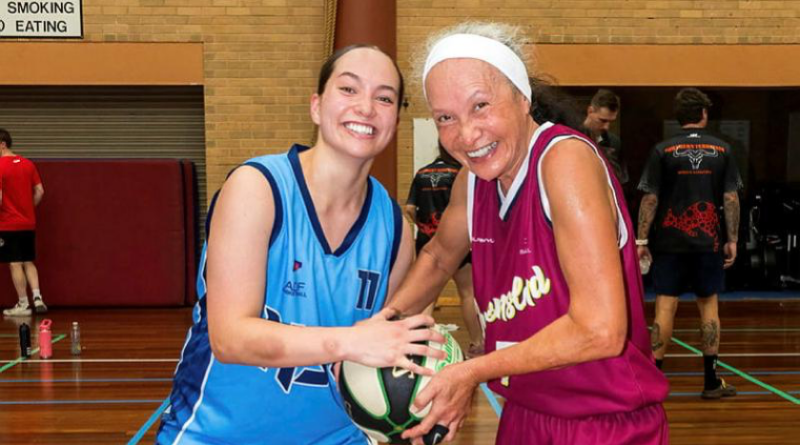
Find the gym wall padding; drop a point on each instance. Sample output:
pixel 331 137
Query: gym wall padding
pixel 190 216
pixel 114 233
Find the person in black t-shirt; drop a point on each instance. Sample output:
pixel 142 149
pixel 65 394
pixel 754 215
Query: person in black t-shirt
pixel 600 114
pixel 429 195
pixel 427 199
pixel 686 181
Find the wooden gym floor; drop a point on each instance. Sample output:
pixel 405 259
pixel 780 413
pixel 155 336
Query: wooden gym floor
pixel 114 392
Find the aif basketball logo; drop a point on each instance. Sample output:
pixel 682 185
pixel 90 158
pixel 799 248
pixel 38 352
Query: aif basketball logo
pixel 295 289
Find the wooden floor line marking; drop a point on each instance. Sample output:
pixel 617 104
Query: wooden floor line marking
pixel 699 373
pixel 143 430
pixel 492 399
pixel 745 354
pixel 11 363
pixel 740 393
pixel 724 330
pixel 742 374
pixel 77 402
pixel 89 380
pixel 95 360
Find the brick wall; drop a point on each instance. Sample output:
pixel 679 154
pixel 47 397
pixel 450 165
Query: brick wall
pixel 261 58
pixel 659 22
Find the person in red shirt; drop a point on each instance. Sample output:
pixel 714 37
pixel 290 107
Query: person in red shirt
pixel 21 191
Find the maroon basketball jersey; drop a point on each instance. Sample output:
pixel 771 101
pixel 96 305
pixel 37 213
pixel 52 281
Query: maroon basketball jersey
pixel 520 289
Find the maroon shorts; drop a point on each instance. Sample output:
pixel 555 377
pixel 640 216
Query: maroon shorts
pixel 645 426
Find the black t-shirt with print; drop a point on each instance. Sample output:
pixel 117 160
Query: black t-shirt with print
pixel 689 172
pixel 430 193
pixel 612 149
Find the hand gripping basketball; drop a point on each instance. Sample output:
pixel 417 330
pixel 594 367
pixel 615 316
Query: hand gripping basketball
pixel 380 400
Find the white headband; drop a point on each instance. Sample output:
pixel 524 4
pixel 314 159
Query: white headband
pixel 471 46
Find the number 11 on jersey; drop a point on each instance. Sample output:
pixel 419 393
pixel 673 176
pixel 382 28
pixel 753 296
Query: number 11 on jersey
pixel 368 289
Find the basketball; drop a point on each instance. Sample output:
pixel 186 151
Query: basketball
pixel 380 400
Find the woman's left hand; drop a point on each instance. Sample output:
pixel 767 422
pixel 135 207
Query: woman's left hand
pixel 451 391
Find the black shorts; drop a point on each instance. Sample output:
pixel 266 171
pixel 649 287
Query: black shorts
pixel 423 239
pixel 677 273
pixel 17 246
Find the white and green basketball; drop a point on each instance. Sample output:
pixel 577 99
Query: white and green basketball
pixel 379 400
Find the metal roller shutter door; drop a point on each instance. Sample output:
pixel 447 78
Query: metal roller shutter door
pixel 109 122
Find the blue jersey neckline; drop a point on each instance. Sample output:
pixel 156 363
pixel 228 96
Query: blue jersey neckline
pixel 294 160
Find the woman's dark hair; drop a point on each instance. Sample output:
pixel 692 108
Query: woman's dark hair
pixel 550 104
pixel 327 68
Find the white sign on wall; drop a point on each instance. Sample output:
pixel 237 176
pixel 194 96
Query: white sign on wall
pixel 41 18
pixel 426 142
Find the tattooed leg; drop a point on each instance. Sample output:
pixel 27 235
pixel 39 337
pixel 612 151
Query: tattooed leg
pixel 709 324
pixel 666 306
pixel 655 337
pixel 709 331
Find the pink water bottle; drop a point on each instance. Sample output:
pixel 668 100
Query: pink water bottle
pixel 45 339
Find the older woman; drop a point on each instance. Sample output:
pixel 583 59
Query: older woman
pixel 555 268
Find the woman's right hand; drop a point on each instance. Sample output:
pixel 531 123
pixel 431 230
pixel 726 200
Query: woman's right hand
pixel 380 342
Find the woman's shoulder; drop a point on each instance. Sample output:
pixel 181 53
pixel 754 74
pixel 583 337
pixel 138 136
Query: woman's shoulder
pixel 269 159
pixel 276 166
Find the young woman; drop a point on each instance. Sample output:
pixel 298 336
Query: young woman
pixel 303 249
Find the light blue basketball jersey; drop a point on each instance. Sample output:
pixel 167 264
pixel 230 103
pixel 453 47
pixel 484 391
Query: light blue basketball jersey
pixel 307 284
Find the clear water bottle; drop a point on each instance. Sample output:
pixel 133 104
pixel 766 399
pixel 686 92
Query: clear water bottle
pixel 75 337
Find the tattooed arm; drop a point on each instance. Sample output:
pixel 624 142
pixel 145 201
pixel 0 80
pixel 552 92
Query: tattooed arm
pixel 647 213
pixel 731 207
